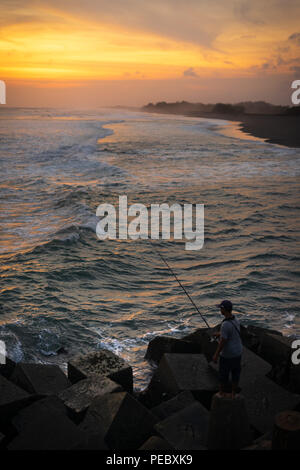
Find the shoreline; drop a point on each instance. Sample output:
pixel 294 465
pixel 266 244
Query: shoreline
pixel 274 129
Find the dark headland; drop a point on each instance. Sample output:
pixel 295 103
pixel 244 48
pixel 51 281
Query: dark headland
pixel 95 406
pixel 275 124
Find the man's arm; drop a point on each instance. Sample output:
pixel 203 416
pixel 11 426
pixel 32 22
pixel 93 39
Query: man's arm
pixel 217 334
pixel 219 348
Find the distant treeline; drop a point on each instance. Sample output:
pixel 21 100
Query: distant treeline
pixel 246 107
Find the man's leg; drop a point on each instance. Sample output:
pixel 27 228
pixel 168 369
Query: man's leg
pixel 235 373
pixel 224 370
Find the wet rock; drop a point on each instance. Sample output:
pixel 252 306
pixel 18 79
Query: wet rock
pixel 125 423
pixel 156 443
pixel 169 407
pixel 166 344
pixel 101 362
pixel 12 399
pixel 44 379
pixel 228 423
pixel 187 429
pixel 79 396
pixel 44 425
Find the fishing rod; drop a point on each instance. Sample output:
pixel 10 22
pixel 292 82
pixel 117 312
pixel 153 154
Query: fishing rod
pixel 179 282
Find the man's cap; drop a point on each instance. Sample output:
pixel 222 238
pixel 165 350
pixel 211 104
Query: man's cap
pixel 225 304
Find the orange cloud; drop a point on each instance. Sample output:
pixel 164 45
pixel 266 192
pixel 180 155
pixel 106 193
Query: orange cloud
pixel 101 40
pixel 54 44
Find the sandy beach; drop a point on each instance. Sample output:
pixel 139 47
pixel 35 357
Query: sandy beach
pixel 276 129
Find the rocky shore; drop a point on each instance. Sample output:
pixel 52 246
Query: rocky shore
pixel 95 407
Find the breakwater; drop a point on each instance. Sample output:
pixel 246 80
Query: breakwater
pixel 95 406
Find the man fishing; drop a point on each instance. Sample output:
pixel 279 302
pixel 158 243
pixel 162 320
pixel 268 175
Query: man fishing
pixel 229 350
pixel 230 344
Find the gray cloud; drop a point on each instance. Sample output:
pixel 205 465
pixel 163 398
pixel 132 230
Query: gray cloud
pixel 198 22
pixel 296 69
pixel 244 11
pixel 190 72
pixel 295 37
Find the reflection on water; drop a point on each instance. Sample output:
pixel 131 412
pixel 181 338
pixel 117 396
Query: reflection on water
pixel 61 286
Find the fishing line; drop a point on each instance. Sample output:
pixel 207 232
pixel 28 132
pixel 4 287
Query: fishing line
pixel 179 282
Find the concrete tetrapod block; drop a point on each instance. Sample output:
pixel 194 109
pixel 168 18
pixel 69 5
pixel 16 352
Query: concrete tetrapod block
pixel 169 407
pixel 294 381
pixel 166 344
pixel 156 443
pixel 262 445
pixel 45 426
pixel 264 399
pixel 228 423
pixel 261 331
pixel 252 367
pixel 204 339
pixel 44 379
pixel 201 334
pixel 79 396
pixel 252 336
pixel 264 442
pixel 286 432
pixel 7 369
pixel 2 440
pixel 12 399
pixel 276 349
pixel 196 337
pixel 125 423
pixel 182 372
pixel 186 429
pixel 102 362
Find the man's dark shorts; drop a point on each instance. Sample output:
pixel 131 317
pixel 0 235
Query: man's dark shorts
pixel 229 365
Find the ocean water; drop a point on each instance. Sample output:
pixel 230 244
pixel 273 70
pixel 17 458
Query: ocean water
pixel 62 287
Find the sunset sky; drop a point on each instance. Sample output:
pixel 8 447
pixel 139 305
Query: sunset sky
pixel 94 52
